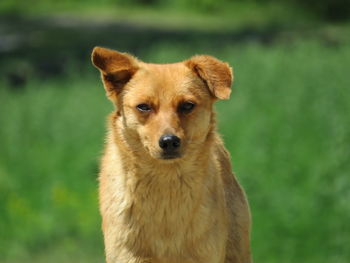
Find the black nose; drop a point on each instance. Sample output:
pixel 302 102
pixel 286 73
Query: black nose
pixel 169 142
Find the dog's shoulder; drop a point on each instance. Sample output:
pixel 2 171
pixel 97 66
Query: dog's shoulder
pixel 233 190
pixel 222 156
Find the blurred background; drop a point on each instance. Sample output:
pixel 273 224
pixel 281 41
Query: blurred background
pixel 286 124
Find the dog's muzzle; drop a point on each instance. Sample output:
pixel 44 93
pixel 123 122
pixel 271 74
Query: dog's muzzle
pixel 170 144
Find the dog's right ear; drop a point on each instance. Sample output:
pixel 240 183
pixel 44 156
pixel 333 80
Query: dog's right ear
pixel 116 69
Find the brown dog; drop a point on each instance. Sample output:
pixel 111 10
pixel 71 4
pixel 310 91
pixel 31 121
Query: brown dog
pixel 167 193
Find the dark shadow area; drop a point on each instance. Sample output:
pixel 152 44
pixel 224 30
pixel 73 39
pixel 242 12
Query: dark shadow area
pixel 45 47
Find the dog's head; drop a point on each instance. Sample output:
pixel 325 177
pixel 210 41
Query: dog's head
pixel 166 109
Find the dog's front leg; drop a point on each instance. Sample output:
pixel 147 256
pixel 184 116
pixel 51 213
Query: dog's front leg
pixel 124 256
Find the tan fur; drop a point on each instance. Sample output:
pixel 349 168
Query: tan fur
pixel 184 210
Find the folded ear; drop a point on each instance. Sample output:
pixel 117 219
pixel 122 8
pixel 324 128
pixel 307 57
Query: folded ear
pixel 216 74
pixel 116 69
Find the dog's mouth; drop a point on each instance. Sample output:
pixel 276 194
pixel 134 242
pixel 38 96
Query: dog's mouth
pixel 170 156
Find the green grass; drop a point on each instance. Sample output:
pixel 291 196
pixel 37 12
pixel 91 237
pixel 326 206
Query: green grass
pixel 286 126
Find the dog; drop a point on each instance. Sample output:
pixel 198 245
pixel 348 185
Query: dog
pixel 166 190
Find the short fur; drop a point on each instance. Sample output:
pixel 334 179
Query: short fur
pixel 184 210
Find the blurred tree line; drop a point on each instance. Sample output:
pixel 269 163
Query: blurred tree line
pixel 329 10
pixel 332 10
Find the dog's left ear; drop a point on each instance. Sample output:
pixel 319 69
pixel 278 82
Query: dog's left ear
pixel 216 74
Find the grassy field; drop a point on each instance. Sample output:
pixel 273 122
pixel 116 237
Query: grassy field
pixel 287 127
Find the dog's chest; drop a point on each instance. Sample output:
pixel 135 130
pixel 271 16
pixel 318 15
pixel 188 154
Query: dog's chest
pixel 161 211
pixel 164 199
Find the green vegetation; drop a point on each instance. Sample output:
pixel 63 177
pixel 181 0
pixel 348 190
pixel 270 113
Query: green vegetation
pixel 178 15
pixel 286 126
pixel 332 10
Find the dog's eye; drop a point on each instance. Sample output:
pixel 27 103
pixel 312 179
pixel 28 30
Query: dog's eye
pixel 186 107
pixel 144 107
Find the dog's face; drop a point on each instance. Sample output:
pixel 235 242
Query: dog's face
pixel 166 108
